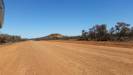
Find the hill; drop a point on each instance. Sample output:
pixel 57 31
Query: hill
pixel 55 36
pixel 51 37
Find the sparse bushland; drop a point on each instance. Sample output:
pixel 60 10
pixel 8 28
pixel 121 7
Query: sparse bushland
pixel 5 38
pixel 120 32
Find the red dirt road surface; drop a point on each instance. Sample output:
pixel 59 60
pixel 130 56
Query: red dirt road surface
pixel 58 58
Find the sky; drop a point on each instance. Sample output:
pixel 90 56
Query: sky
pixel 37 18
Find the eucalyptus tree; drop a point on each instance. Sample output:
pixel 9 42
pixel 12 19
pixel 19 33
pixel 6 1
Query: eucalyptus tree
pixel 122 30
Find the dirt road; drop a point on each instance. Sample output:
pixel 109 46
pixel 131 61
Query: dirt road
pixel 58 58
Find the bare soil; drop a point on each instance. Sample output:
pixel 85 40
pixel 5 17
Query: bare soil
pixel 126 44
pixel 62 58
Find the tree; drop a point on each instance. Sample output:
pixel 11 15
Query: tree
pixel 112 34
pixel 98 32
pixel 84 35
pixel 92 33
pixel 131 33
pixel 122 30
pixel 112 30
pixel 101 32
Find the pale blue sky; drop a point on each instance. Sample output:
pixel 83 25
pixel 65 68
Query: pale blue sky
pixel 36 18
